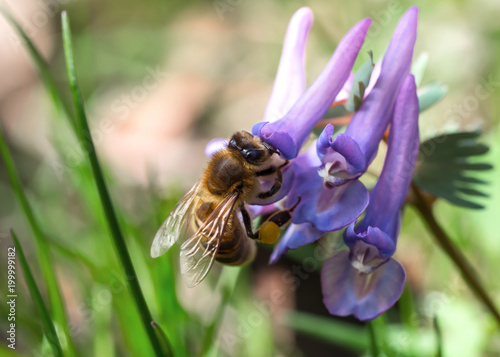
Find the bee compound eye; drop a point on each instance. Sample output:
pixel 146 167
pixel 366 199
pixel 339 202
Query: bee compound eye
pixel 252 155
pixel 232 143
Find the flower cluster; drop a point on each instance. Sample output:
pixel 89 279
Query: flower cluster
pixel 365 280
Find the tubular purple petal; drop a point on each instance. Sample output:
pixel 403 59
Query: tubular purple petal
pixel 290 80
pixel 289 133
pixel 389 193
pixel 376 110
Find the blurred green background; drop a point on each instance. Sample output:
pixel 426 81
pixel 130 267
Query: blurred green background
pixel 160 79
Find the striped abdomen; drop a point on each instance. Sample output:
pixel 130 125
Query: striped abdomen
pixel 235 247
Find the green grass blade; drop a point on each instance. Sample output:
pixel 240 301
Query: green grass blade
pixel 84 136
pixel 48 325
pixel 43 68
pixel 338 333
pixel 55 297
pixel 162 337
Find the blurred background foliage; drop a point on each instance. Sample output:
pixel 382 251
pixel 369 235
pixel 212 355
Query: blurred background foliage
pixel 160 79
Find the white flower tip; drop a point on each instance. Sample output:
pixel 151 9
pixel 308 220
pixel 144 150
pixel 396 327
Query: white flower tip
pixel 302 20
pixel 304 12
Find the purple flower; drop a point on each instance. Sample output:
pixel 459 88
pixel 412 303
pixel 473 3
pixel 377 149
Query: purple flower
pixel 290 81
pixel 326 179
pixel 289 133
pixel 349 155
pixel 366 281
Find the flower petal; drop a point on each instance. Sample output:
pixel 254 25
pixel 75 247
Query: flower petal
pixel 376 110
pixel 370 235
pixel 296 236
pixel 328 209
pixel 389 194
pixel 290 80
pixel 347 291
pixel 345 145
pixel 313 104
pixel 215 145
pixel 324 142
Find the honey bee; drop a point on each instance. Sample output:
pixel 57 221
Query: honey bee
pixel 215 209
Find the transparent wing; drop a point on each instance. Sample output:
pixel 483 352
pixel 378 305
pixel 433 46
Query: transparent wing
pixel 198 252
pixel 174 225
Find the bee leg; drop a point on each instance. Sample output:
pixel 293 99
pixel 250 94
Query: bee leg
pixel 277 182
pixel 248 223
pixel 266 172
pixel 269 231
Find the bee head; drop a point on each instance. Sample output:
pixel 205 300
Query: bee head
pixel 253 150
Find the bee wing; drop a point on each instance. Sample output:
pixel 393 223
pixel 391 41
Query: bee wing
pixel 198 252
pixel 172 228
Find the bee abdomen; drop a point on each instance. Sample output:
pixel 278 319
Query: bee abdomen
pixel 236 248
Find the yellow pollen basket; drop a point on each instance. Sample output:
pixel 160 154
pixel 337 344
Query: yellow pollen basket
pixel 269 233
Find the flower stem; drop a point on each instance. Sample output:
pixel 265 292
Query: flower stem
pixel 468 273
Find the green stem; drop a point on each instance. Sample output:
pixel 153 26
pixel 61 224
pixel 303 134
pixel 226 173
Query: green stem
pixel 374 348
pixel 439 337
pixel 468 272
pixel 42 248
pixel 84 136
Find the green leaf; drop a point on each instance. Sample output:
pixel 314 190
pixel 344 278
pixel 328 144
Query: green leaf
pixel 42 248
pixel 83 133
pixel 338 333
pixel 430 94
pixel 444 168
pixel 359 84
pixel 419 66
pixel 48 325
